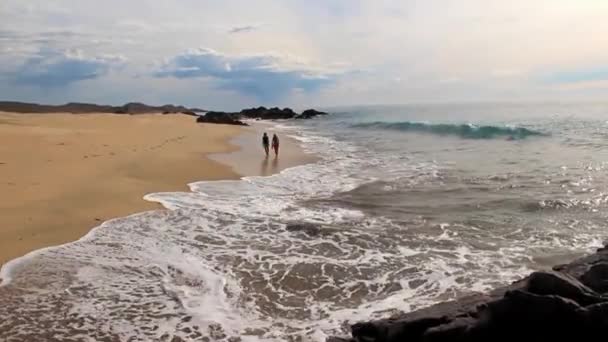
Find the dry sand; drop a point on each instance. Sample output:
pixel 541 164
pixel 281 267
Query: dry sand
pixel 63 174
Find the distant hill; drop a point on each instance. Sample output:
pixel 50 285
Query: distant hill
pixel 84 108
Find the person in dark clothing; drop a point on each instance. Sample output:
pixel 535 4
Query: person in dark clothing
pixel 265 143
pixel 275 145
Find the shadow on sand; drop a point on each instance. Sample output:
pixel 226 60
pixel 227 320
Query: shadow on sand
pixel 268 168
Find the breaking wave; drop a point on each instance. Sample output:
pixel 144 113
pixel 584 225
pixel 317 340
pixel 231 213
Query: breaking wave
pixel 467 131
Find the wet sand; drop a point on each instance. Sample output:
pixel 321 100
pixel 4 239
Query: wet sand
pixel 249 158
pixel 63 174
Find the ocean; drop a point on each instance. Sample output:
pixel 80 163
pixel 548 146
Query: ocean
pixel 407 206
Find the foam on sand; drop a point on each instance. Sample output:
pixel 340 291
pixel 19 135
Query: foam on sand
pixel 226 261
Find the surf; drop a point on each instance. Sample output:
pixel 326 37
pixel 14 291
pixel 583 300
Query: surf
pixel 465 131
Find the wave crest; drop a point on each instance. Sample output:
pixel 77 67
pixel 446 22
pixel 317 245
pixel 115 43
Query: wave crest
pixel 467 131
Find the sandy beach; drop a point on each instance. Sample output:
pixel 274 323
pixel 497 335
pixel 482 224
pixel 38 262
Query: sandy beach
pixel 63 174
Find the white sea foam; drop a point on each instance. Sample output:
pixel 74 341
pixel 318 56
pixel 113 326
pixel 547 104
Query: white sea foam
pixel 223 262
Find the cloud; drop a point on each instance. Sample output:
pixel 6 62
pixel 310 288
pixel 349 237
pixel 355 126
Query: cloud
pixel 439 49
pixel 264 76
pixel 50 68
pixel 244 29
pixel 13 39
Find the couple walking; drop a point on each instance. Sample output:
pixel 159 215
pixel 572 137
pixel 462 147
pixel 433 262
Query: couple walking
pixel 275 144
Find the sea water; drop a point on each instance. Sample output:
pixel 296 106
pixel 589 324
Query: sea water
pixel 407 206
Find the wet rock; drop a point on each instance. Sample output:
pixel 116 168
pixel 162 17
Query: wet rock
pixel 403 331
pixel 563 285
pixel 221 118
pixel 304 227
pixel 309 114
pixel 268 113
pixel 525 308
pixel 596 319
pixel 597 277
pixel 566 303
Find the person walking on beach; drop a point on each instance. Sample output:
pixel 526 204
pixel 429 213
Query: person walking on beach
pixel 275 145
pixel 265 143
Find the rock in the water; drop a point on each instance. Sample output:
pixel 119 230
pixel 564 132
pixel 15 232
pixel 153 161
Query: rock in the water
pixel 268 113
pixel 309 114
pixel 221 118
pixel 260 113
pixel 565 304
pixel 307 228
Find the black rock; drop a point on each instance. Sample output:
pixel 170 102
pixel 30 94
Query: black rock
pixel 565 304
pixel 596 277
pixel 596 319
pixel 563 285
pixel 309 114
pixel 268 113
pixel 221 118
pixel 254 113
pixel 307 228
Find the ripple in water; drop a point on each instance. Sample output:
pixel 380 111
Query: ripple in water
pixel 228 261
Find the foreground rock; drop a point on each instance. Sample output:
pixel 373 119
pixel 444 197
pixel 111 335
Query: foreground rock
pixel 221 118
pixel 569 302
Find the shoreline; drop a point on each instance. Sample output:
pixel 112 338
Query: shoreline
pixel 220 158
pixel 246 159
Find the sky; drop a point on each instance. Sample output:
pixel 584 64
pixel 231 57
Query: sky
pixel 230 54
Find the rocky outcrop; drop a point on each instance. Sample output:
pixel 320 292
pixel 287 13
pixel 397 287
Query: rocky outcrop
pixel 309 114
pixel 568 302
pixel 259 113
pixel 264 113
pixel 221 118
